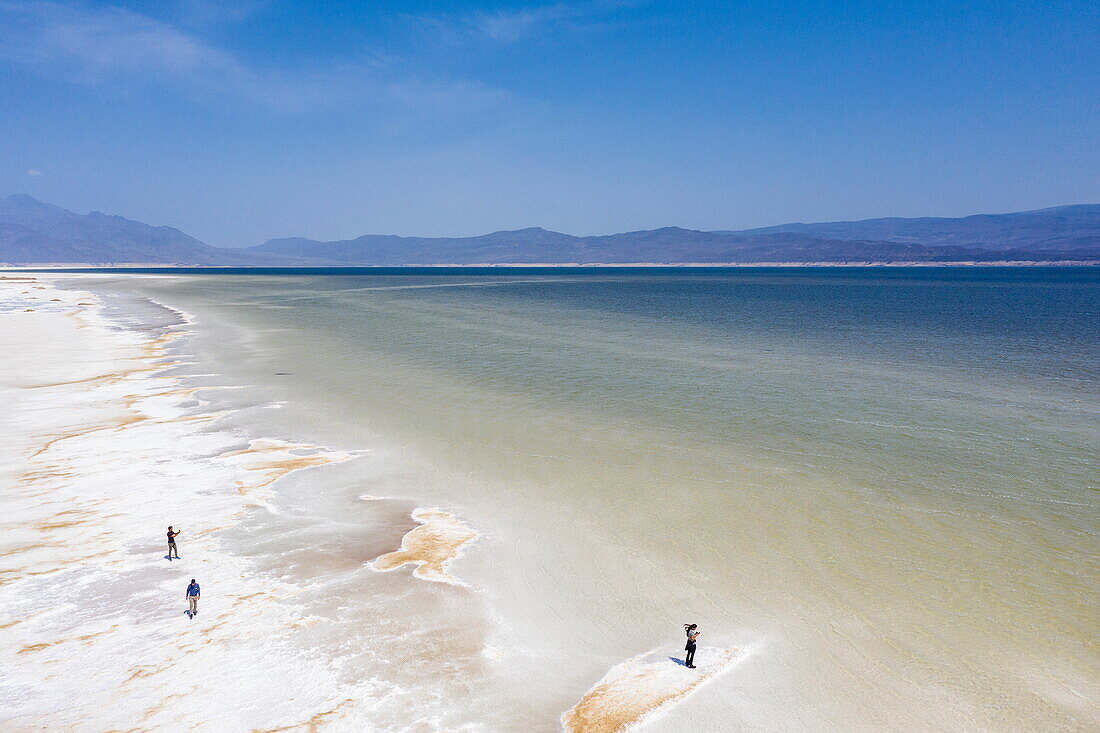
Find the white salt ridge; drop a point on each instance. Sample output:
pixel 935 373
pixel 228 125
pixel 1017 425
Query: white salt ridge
pixel 643 688
pixel 186 319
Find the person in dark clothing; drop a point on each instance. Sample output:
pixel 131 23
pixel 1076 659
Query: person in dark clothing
pixel 692 634
pixel 172 544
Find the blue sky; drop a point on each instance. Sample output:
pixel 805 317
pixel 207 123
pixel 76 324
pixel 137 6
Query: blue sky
pixel 241 121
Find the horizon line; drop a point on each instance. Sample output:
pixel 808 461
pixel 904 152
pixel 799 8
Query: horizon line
pixel 554 231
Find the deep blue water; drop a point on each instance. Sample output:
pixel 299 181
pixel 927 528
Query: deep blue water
pixel 1032 321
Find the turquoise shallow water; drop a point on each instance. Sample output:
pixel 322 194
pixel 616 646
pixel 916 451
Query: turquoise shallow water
pixel 883 480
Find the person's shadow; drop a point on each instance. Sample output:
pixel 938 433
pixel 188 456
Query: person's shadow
pixel 679 661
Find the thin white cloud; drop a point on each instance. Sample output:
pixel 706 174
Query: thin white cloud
pixel 514 25
pixel 33 172
pixel 99 41
pixel 510 26
pixel 100 45
pixel 203 13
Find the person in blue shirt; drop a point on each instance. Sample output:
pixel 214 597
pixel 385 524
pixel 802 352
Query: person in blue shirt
pixel 193 596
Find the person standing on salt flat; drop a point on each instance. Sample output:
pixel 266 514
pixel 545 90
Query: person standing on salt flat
pixel 692 634
pixel 172 544
pixel 193 595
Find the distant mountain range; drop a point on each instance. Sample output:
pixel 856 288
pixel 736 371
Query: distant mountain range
pixel 33 232
pixel 1058 229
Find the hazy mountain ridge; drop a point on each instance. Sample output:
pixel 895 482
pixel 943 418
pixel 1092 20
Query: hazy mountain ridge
pixel 1058 228
pixel 667 245
pixel 33 232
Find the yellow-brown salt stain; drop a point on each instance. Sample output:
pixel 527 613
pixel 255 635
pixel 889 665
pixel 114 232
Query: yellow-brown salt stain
pixel 179 391
pixel 10 624
pixel 125 422
pixel 131 401
pixel 45 572
pixel 27 649
pixel 72 511
pixel 109 377
pixel 202 532
pixel 11 574
pixel 43 475
pixel 431 546
pixel 209 630
pixel 312 725
pixel 142 671
pixel 50 526
pixel 304 623
pixel 159 707
pixel 205 417
pixel 57 438
pixel 115 424
pixel 35 489
pixel 616 705
pixel 604 711
pixel 27 548
pixel 275 470
pixel 88 637
pixel 155 348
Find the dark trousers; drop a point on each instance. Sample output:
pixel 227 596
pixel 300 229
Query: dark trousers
pixel 690 658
